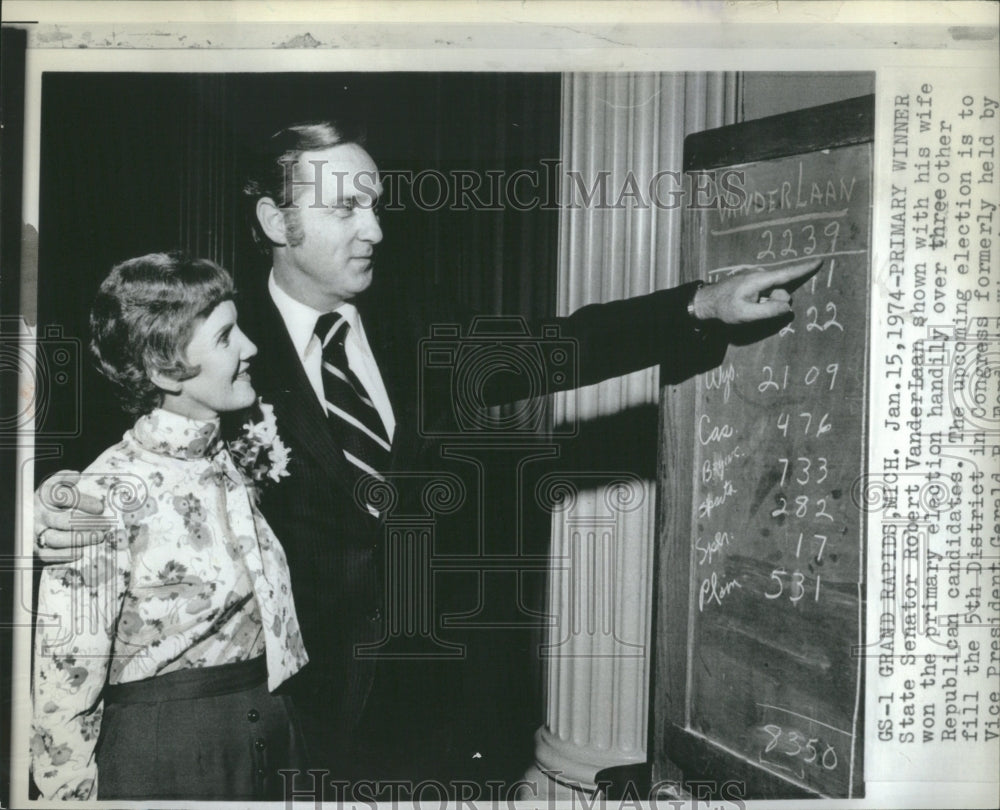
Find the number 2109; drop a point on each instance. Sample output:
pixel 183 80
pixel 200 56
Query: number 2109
pixel 778 379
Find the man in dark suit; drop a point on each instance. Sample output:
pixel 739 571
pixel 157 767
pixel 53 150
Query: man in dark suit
pixel 373 712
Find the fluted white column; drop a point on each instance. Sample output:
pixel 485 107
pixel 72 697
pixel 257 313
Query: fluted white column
pixel 600 587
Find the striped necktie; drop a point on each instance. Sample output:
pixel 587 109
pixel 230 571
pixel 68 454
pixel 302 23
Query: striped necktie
pixel 355 422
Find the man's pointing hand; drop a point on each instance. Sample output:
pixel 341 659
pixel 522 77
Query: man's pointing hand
pixel 752 295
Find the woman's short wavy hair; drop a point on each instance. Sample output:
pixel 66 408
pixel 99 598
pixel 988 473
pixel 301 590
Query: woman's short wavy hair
pixel 143 318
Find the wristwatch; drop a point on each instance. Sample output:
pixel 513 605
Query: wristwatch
pixel 690 305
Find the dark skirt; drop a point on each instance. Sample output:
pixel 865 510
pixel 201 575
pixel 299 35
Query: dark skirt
pixel 210 733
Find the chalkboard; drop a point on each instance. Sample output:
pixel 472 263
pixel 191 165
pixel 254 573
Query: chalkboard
pixel 760 602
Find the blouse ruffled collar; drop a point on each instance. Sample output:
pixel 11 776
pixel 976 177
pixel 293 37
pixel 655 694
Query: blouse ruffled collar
pixel 171 434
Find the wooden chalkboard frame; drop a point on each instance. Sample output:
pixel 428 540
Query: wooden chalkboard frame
pixel 677 755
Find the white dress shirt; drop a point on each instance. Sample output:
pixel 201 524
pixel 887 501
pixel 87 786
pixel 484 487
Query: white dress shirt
pixel 300 321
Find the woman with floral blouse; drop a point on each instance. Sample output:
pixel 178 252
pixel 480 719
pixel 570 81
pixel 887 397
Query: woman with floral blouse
pixel 157 653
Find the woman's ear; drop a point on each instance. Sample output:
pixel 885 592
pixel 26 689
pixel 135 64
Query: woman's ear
pixel 272 220
pixel 165 383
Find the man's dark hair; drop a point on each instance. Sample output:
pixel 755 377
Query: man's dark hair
pixel 269 175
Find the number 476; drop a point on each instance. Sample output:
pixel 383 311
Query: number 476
pixel 824 425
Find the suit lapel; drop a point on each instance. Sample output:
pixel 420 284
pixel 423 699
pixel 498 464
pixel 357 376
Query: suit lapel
pixel 281 381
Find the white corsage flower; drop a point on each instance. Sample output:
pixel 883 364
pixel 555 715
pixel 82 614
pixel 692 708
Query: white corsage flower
pixel 259 451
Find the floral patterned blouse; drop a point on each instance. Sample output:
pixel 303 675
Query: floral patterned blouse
pixel 188 575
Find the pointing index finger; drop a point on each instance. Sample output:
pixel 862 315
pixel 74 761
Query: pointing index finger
pixel 780 276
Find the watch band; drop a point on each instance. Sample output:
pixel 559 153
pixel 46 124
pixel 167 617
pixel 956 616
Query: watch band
pixel 690 305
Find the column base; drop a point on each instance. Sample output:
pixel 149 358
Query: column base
pixel 541 785
pixel 563 770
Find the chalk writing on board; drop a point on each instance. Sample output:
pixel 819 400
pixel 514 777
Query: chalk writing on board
pixel 778 442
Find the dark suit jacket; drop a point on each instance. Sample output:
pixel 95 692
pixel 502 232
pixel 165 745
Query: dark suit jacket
pixel 337 551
